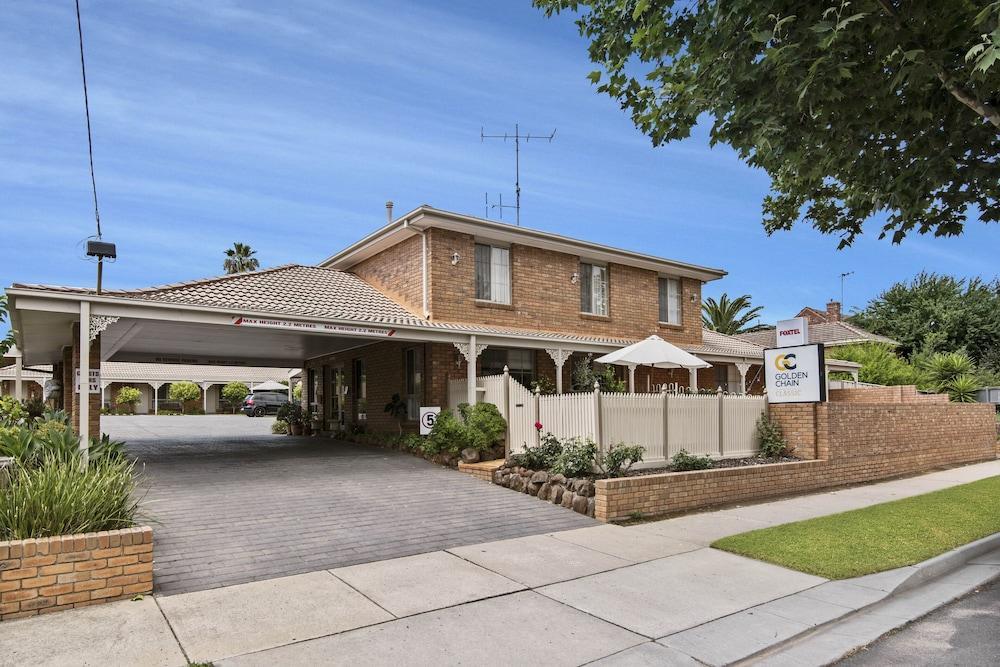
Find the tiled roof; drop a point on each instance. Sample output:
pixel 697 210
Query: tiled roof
pixel 829 333
pixel 713 342
pixel 309 291
pixel 123 370
pixel 291 289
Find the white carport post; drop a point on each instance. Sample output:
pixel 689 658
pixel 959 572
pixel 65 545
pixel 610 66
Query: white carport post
pixel 204 395
pixel 156 396
pixel 693 380
pixel 18 380
pixel 84 379
pixel 470 370
pixel 743 367
pixel 631 378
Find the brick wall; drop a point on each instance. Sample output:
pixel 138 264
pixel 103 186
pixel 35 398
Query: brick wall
pixel 849 443
pixel 543 297
pixel 398 272
pixel 55 573
pixel 895 394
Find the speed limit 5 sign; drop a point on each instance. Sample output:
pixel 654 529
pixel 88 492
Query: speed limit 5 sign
pixel 427 418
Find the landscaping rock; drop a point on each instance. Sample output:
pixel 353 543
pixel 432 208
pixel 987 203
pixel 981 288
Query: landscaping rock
pixel 591 504
pixel 580 504
pixel 588 489
pixel 556 494
pixel 516 483
pixel 567 499
pixel 544 490
pixel 558 479
pixel 470 455
pixel 540 477
pixel 525 472
pixel 532 489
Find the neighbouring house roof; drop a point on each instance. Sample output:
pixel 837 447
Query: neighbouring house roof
pixel 713 342
pixel 428 217
pixel 831 334
pixel 123 371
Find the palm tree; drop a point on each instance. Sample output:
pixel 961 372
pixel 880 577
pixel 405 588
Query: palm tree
pixel 7 341
pixel 729 317
pixel 240 258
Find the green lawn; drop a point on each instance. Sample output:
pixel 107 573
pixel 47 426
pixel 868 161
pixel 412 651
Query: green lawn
pixel 880 537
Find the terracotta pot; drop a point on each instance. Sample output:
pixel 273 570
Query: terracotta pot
pixel 296 429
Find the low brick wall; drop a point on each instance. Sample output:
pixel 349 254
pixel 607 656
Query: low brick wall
pixel 905 393
pixel 55 573
pixel 844 443
pixel 482 470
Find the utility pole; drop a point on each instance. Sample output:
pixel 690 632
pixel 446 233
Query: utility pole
pixel 517 136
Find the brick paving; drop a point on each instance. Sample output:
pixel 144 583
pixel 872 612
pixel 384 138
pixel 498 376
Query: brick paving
pixel 228 509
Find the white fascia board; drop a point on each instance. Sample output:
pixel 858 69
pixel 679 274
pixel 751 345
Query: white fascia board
pixel 428 218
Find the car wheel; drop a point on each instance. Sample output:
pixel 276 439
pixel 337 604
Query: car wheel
pixel 259 411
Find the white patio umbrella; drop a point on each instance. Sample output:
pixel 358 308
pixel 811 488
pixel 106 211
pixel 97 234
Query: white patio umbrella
pixel 652 351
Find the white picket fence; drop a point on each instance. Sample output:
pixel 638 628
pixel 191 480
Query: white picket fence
pixel 715 425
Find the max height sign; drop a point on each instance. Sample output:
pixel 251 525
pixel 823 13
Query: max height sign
pixel 795 374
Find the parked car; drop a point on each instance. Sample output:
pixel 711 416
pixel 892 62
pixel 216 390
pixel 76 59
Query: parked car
pixel 260 403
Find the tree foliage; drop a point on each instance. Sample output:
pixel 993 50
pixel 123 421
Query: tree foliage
pixel 234 393
pixel 934 313
pixel 184 393
pixel 853 107
pixel 7 341
pixel 240 259
pixel 729 316
pixel 879 363
pixel 128 397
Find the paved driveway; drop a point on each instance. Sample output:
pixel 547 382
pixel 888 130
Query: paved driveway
pixel 231 503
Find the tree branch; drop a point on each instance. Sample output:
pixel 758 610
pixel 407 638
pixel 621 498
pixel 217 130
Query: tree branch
pixel 959 92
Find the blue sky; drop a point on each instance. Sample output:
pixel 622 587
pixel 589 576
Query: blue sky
pixel 288 125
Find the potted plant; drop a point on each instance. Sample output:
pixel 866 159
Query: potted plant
pixel 291 414
pixel 307 422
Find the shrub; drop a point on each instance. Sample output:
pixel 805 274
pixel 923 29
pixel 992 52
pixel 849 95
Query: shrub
pixel 184 393
pixel 127 398
pixel 449 434
pixel 962 389
pixel 279 427
pixel 576 458
pixel 34 407
pixel 683 460
pixel 541 456
pixel 60 497
pixel 396 408
pixel 772 440
pixel 106 448
pixel 12 413
pixel 234 393
pixel 879 363
pixel 290 413
pixel 485 426
pixel 618 459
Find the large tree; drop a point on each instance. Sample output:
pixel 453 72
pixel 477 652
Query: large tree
pixel 934 313
pixel 853 108
pixel 7 341
pixel 729 316
pixel 240 258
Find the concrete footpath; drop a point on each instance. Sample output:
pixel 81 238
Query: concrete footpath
pixel 609 595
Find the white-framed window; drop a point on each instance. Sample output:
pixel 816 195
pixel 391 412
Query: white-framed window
pixel 413 378
pixel 492 273
pixel 670 300
pixel 593 289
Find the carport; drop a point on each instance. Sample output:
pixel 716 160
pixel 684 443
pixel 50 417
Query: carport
pixel 279 317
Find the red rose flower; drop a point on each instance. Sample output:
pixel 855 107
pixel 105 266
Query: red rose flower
pixel 538 426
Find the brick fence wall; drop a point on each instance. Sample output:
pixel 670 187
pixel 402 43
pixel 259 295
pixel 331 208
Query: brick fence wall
pixel 906 393
pixel 55 573
pixel 843 443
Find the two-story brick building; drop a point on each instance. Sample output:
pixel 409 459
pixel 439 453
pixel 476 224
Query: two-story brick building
pixel 430 298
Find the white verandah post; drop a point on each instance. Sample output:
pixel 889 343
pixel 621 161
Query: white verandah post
pixel 470 371
pixel 559 357
pixel 156 396
pixel 18 380
pixel 693 380
pixel 743 367
pixel 631 378
pixel 84 411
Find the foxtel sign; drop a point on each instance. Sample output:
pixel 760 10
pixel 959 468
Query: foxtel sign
pixel 317 327
pixel 795 374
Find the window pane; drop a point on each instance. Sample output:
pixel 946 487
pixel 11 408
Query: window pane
pixel 492 361
pixel 500 275
pixel 673 301
pixel 482 271
pixel 600 282
pixel 664 309
pixel 586 297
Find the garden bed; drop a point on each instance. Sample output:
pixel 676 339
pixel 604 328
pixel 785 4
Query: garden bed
pixel 718 464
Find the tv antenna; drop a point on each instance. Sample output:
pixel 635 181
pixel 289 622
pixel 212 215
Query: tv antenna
pixel 843 277
pixel 517 136
pixel 498 205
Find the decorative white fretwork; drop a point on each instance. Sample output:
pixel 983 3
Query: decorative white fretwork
pixel 99 323
pixel 559 356
pixel 463 349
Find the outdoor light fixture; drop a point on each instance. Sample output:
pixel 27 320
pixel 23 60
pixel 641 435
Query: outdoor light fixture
pixel 575 278
pixel 454 258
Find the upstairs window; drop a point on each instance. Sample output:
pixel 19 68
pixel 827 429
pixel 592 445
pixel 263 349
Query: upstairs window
pixel 492 273
pixel 593 289
pixel 670 300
